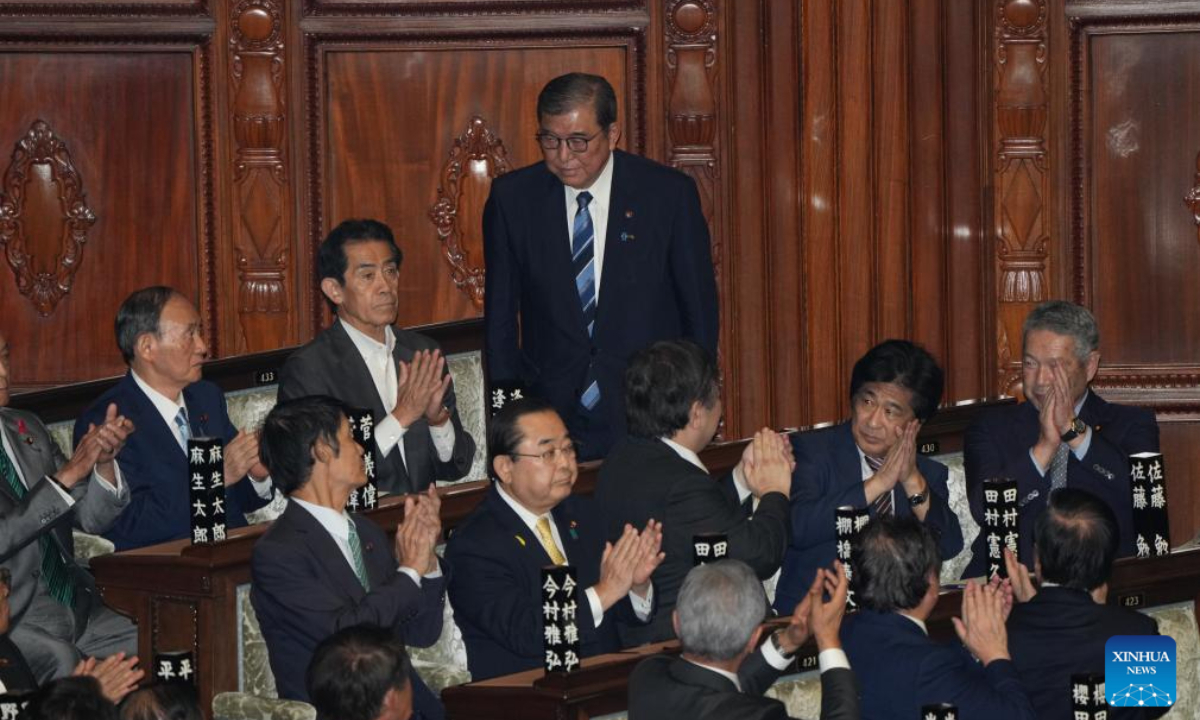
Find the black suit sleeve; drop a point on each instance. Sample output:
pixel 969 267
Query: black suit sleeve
pixel 692 273
pixel 299 378
pixel 839 695
pixel 758 541
pixel 501 297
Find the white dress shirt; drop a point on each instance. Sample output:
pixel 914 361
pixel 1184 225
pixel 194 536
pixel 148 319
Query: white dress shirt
pixel 169 409
pixel 601 191
pixel 381 363
pixel 641 607
pixel 337 524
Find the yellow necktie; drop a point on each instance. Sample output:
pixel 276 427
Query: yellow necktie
pixel 547 538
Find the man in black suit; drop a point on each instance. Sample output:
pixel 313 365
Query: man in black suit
pixel 720 676
pixel 1058 628
pixel 591 254
pixel 869 461
pixel 362 360
pixel 318 569
pixel 361 673
pixel 896 565
pixel 1064 435
pixel 673 403
pixel 529 520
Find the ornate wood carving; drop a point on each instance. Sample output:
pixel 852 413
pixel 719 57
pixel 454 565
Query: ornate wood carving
pixel 44 217
pixel 261 225
pixel 1192 199
pixel 477 157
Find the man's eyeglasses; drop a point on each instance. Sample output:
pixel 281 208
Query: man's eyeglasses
pixel 551 456
pixel 575 143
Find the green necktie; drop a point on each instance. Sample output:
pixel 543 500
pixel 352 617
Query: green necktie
pixel 360 568
pixel 54 569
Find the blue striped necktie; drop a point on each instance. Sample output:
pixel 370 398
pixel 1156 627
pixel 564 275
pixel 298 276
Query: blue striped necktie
pixel 583 261
pixel 882 504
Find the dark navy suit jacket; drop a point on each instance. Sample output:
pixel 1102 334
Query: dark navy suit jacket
pixel 303 591
pixel 997 446
pixel 828 475
pixel 657 284
pixel 902 670
pixel 155 466
pixel 1061 632
pixel 496 589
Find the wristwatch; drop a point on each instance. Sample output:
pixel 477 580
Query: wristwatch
pixel 1077 428
pixel 918 498
pixel 778 646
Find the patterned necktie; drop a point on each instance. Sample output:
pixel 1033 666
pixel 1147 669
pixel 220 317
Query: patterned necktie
pixel 882 504
pixel 1058 467
pixel 183 429
pixel 54 568
pixel 356 553
pixel 547 538
pixel 583 261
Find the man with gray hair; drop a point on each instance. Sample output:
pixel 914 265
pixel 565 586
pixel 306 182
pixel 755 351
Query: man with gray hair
pixel 719 675
pixel 1063 435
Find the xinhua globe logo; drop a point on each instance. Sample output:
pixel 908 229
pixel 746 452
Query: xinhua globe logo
pixel 1139 671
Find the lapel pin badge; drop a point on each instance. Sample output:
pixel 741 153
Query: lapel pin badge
pixel 520 540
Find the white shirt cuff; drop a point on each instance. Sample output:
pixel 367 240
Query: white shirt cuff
pixel 115 490
pixel 264 488
pixel 435 573
pixel 642 607
pixel 66 496
pixel 443 440
pixel 388 433
pixel 739 482
pixel 593 599
pixel 773 657
pixel 833 658
pixel 413 574
pixel 1037 465
pixel 1084 446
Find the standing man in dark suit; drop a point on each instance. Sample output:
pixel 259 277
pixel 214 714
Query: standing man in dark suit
pixel 1058 628
pixel 529 520
pixel 318 569
pixel 365 362
pixel 896 565
pixel 57 618
pixel 673 403
pixel 591 255
pixel 720 676
pixel 158 332
pixel 871 462
pixel 1063 435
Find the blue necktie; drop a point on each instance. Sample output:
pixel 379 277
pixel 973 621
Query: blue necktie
pixel 183 429
pixel 584 262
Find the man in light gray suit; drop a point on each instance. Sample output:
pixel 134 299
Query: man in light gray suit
pixel 57 617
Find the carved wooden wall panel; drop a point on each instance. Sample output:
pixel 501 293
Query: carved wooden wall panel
pixel 129 118
pixel 390 113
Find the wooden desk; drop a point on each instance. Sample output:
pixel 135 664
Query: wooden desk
pixel 601 686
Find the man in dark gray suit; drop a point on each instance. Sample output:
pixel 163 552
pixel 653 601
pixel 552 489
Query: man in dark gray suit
pixel 57 617
pixel 720 675
pixel 365 362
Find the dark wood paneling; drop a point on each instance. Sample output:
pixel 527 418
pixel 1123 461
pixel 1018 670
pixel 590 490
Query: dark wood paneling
pixel 133 125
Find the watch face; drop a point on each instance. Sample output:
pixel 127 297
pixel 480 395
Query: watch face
pixel 1079 425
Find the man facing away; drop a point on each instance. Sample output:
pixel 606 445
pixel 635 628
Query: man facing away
pixel 366 362
pixel 896 565
pixel 1063 435
pixel 318 569
pixel 720 675
pixel 592 254
pixel 869 461
pixel 361 673
pixel 1059 626
pixel 159 334
pixel 673 402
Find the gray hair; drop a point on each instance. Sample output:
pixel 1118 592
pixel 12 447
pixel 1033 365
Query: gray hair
pixel 138 315
pixel 719 607
pixel 1065 318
